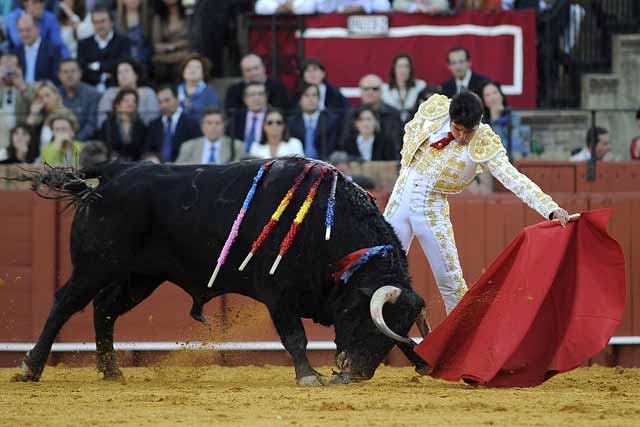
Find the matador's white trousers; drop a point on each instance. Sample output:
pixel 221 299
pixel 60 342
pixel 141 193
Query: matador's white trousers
pixel 415 210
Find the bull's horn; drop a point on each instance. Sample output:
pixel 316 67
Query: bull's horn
pixel 378 300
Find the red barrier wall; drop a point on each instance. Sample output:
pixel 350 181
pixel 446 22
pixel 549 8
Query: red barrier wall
pixel 34 261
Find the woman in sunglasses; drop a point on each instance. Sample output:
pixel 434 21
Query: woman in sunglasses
pixel 275 140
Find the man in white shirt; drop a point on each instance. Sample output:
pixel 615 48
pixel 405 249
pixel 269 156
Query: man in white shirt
pixel 39 58
pixel 214 147
pixel 600 137
pixel 297 7
pixel 353 6
pixel 463 78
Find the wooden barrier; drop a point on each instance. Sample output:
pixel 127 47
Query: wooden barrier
pixel 34 261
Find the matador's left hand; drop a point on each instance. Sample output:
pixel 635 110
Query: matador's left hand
pixel 562 216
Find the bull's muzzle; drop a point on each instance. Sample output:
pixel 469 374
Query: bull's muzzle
pixel 382 296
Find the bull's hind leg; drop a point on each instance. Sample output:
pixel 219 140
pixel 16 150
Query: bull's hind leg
pixel 108 305
pixel 294 339
pixel 69 299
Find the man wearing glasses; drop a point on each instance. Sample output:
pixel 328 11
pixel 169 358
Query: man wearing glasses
pixel 445 146
pixel 388 117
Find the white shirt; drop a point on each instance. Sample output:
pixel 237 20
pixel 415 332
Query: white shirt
pixel 208 147
pixel 365 146
pixel 464 82
pixel 369 6
pixel 291 147
pixel 30 58
pixel 103 43
pixel 300 7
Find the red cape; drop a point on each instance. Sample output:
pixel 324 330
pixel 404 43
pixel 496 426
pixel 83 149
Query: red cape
pixel 550 301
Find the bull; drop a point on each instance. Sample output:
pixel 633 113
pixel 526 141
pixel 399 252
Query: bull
pixel 145 224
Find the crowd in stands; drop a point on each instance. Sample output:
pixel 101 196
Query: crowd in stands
pixel 77 80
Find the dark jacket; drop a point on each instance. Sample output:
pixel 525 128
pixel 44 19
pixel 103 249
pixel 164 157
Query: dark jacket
pixel 187 128
pixel 110 134
pixel 325 135
pixel 383 148
pixel 390 126
pixel 449 87
pixel 47 61
pixel 88 52
pixel 278 97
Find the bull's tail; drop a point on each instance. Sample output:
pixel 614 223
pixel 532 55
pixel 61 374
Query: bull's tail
pixel 60 183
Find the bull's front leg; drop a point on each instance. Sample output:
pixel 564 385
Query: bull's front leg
pixel 294 339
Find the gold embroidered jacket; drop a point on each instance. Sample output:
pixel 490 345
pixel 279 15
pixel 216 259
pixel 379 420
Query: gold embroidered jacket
pixel 450 170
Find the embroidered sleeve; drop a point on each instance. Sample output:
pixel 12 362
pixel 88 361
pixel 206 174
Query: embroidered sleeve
pixel 520 185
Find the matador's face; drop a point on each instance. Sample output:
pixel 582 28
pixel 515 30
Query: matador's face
pixel 463 134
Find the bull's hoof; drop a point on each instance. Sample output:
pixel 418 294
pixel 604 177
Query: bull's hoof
pixel 28 374
pixel 113 375
pixel 343 378
pixel 313 381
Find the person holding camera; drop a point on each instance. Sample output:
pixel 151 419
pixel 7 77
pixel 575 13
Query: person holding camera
pixel 15 96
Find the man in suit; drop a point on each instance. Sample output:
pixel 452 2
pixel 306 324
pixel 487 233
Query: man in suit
pixel 38 57
pixel 313 72
pixel 214 147
pixel 45 21
pixel 388 117
pixel 100 53
pixel 253 70
pixel 247 124
pixel 463 78
pixel 172 128
pixel 318 130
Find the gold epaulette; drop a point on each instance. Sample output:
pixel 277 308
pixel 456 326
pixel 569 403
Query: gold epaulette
pixel 427 120
pixel 485 145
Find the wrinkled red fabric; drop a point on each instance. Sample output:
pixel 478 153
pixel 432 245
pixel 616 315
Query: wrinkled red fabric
pixel 550 301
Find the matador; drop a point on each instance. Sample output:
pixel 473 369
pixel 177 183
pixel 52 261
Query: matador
pixel 444 147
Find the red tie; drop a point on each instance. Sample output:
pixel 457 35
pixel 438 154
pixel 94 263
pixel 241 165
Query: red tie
pixel 443 142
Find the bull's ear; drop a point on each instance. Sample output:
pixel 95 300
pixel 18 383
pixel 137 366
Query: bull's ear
pixel 367 291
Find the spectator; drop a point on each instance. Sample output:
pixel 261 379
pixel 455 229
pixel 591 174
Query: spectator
pixel 599 137
pixel 313 72
pixel 100 54
pixel 462 77
pixel 253 70
pixel 79 97
pixel 38 57
pixel 297 7
pixel 128 76
pixel 15 96
pixel 46 100
pixel 369 143
pixel 75 24
pixel 317 129
pixel 388 118
pixel 402 90
pixel 193 93
pixel 431 7
pixel 124 133
pixel 170 39
pixel 172 128
pixel 353 6
pixel 275 140
pixel 504 122
pixel 134 20
pixel 634 149
pixel 63 148
pixel 23 147
pixel 247 124
pixel 341 160
pixel 214 147
pixel 47 23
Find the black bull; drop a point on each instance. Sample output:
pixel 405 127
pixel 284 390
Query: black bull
pixel 146 224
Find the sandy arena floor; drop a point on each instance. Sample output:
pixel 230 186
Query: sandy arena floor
pixel 265 396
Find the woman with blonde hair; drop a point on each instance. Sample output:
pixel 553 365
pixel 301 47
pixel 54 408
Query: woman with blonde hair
pixel 46 100
pixel 63 148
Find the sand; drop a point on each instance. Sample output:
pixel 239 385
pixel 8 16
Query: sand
pixel 268 396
